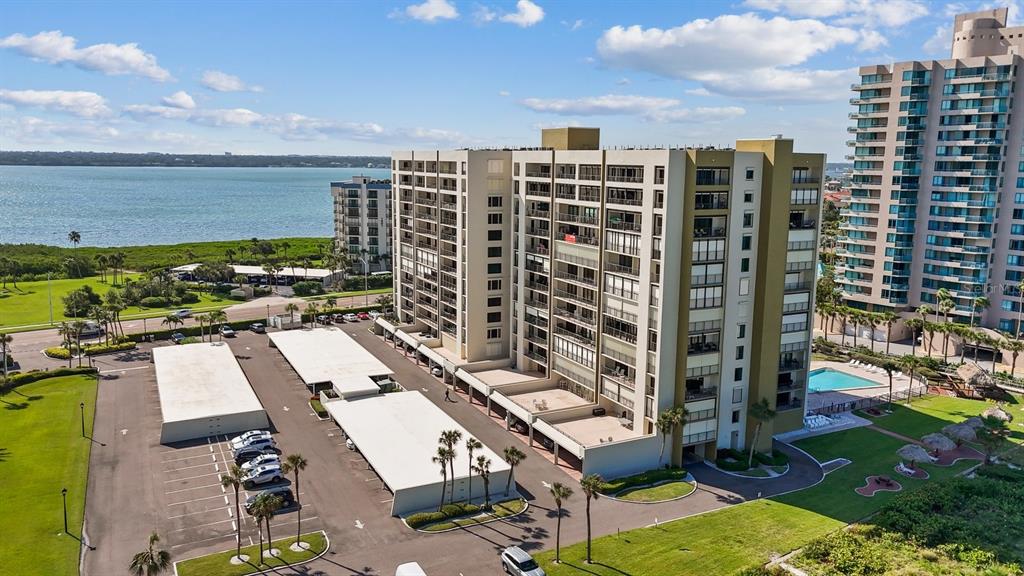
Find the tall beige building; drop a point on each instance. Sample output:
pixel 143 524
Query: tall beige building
pixel 363 222
pixel 578 292
pixel 937 199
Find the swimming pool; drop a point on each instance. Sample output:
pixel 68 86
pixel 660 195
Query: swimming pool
pixel 829 380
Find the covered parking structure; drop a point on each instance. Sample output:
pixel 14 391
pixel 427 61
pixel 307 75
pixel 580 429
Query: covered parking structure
pixel 397 434
pixel 257 275
pixel 203 392
pixel 324 355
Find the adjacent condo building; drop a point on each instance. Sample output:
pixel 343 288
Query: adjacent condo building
pixel 937 199
pixel 362 222
pixel 579 292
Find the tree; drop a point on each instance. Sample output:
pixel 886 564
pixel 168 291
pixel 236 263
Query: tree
pixel 855 317
pixel 151 561
pixel 229 254
pixel 915 325
pixel 513 457
pixel 77 327
pixel 472 444
pixel 311 309
pixel 233 479
pixel 483 470
pixel 5 342
pixel 218 317
pixel 560 493
pixel 443 457
pixel 910 363
pixel 239 279
pixel 67 333
pixel 889 318
pixel 992 435
pixel 291 308
pixel 78 301
pixel 666 424
pixel 591 485
pixel 202 319
pixel 295 463
pixel 172 320
pixel 889 367
pixel 873 320
pixel 1015 347
pixel 75 238
pixel 979 303
pixel 101 262
pixel 264 508
pixel 762 412
pixel 448 439
pixel 923 311
pixel 331 302
pixel 946 305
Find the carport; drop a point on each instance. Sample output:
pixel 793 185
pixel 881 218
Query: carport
pixel 323 355
pixel 203 392
pixel 397 434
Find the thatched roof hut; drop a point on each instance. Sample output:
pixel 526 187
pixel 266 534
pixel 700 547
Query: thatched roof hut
pixel 937 441
pixel 998 413
pixel 914 453
pixel 963 432
pixel 974 375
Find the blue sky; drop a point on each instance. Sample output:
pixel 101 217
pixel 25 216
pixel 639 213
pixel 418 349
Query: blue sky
pixel 370 77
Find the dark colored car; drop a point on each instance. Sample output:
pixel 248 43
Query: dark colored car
pixel 257 327
pixel 283 492
pixel 243 455
pixel 177 337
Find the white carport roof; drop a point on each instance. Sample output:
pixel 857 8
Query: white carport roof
pixel 250 270
pixel 355 386
pixel 397 434
pixel 326 354
pixel 201 380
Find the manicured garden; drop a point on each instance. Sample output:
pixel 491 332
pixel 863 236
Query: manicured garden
pixel 931 413
pixel 478 516
pixel 669 490
pixel 41 452
pixel 651 486
pixel 220 564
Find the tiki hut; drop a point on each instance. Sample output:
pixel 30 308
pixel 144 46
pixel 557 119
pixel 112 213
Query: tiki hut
pixel 974 375
pixel 998 413
pixel 914 453
pixel 937 441
pixel 963 432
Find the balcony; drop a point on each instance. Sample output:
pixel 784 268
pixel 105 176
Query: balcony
pixel 620 269
pixel 699 348
pixel 536 357
pixel 588 319
pixel 576 278
pixel 790 364
pixel 578 337
pixel 694 394
pixel 621 335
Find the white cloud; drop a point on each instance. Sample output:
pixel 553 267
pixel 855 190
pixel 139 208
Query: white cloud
pixel 871 40
pixel 32 130
pixel 111 59
pixel 79 103
pixel 600 105
pixel 888 13
pixel 702 91
pixel 224 82
pixel 573 25
pixel 179 99
pixel 432 10
pixel 699 114
pixel 484 15
pixel 712 53
pixel 940 42
pixel 504 93
pixel 527 14
pixel 206 117
pixel 537 126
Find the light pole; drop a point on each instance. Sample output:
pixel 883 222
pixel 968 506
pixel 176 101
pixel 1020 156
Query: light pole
pixel 64 497
pixel 49 290
pixel 82 406
pixel 366 278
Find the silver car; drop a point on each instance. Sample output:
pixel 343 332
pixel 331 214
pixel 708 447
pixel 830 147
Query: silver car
pixel 515 561
pixel 261 460
pixel 270 473
pixel 250 439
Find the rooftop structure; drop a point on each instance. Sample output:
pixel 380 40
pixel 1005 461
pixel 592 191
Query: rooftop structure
pixel 324 355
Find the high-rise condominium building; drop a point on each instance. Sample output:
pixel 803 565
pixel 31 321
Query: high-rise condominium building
pixel 937 199
pixel 363 222
pixel 580 292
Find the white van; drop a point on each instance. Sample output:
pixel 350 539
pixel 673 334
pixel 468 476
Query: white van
pixel 410 569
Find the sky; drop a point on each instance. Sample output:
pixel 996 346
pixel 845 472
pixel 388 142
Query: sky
pixel 342 78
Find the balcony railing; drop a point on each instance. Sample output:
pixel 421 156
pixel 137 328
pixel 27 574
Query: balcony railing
pixel 616 333
pixel 701 393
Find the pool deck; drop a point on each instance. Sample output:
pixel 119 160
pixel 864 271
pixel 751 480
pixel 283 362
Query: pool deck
pixel 818 399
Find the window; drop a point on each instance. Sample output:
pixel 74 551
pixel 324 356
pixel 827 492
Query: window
pixel 712 176
pixel 744 286
pixel 494 301
pixel 739 352
pixel 494 284
pixel 745 242
pixel 735 416
pixel 748 219
pixel 494 235
pixel 493 333
pixel 494 251
pixel 737 395
pixel 737 374
pixel 493 317
pixel 741 330
pixel 750 174
pixel 748 197
pixel 745 265
pixel 494 268
pixel 494 201
pixel 494 218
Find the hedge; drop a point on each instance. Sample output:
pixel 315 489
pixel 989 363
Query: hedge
pixel 447 512
pixel 61 353
pixel 776 458
pixel 16 380
pixel 617 485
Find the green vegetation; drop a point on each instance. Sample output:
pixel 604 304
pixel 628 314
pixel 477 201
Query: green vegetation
pixel 329 295
pixel 41 452
pixel 666 491
pixel 644 479
pixel 447 512
pixel 220 564
pixel 61 353
pixel 930 414
pixel 318 407
pixel 499 510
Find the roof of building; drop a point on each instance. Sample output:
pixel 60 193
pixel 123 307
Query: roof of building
pixel 326 354
pixel 397 434
pixel 355 386
pixel 258 270
pixel 201 380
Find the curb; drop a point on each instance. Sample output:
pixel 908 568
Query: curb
pixel 689 479
pixel 526 506
pixel 327 547
pixel 712 465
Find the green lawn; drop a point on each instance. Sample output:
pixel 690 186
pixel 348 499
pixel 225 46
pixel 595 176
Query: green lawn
pixel 30 303
pixel 42 451
pixel 371 292
pixel 500 510
pixel 666 491
pixel 220 564
pixel 929 414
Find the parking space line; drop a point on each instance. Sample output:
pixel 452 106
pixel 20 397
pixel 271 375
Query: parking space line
pixel 190 477
pixel 201 526
pixel 193 500
pixel 190 543
pixel 192 488
pixel 188 467
pixel 183 458
pixel 194 513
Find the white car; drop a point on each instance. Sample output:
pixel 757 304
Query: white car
pixel 350 317
pixel 437 371
pixel 376 314
pixel 227 331
pixel 270 473
pixel 261 441
pixel 261 460
pixel 183 313
pixel 516 561
pixel 243 437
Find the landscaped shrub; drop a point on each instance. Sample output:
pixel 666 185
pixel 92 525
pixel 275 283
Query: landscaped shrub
pixel 58 352
pixel 730 465
pixel 776 458
pixel 307 288
pixel 155 302
pixel 447 512
pixel 16 380
pixel 189 298
pixel 848 553
pixel 643 479
pixel 353 283
pixel 61 353
pixel 314 402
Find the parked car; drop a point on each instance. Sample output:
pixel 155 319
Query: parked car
pixel 437 371
pixel 284 492
pixel 270 473
pixel 183 313
pixel 515 561
pixel 350 317
pixel 177 337
pixel 227 331
pixel 92 330
pixel 338 318
pixel 374 314
pixel 261 460
pixel 324 319
pixel 243 455
pixel 241 438
pixel 257 327
pixel 363 315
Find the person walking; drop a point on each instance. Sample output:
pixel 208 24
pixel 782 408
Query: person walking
pixel 447 395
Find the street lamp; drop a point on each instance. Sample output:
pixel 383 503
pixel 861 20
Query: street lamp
pixel 82 406
pixel 366 278
pixel 64 497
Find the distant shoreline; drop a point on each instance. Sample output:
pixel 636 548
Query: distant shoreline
pixel 161 160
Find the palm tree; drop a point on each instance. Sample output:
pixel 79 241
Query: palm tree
pixel 172 320
pixel 665 424
pixel 101 262
pixel 471 445
pixel 591 485
pixel 483 469
pixel 874 320
pixel 5 341
pixel 513 456
pixel 910 363
pixel 762 412
pixel 284 249
pixel 855 317
pixel 331 302
pixel 291 308
pixel 979 303
pixel 295 463
pixel 233 479
pixel 946 306
pixel 151 561
pixel 448 439
pixel 229 254
pixel 888 318
pixel 994 343
pixel 1015 347
pixel 74 237
pixel 239 279
pixel 267 508
pixel 889 367
pixel 217 317
pixel 201 319
pixel 924 310
pixel 843 314
pixel 992 435
pixel 443 456
pixel 67 333
pixel 78 326
pixel 560 493
pixel 311 309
